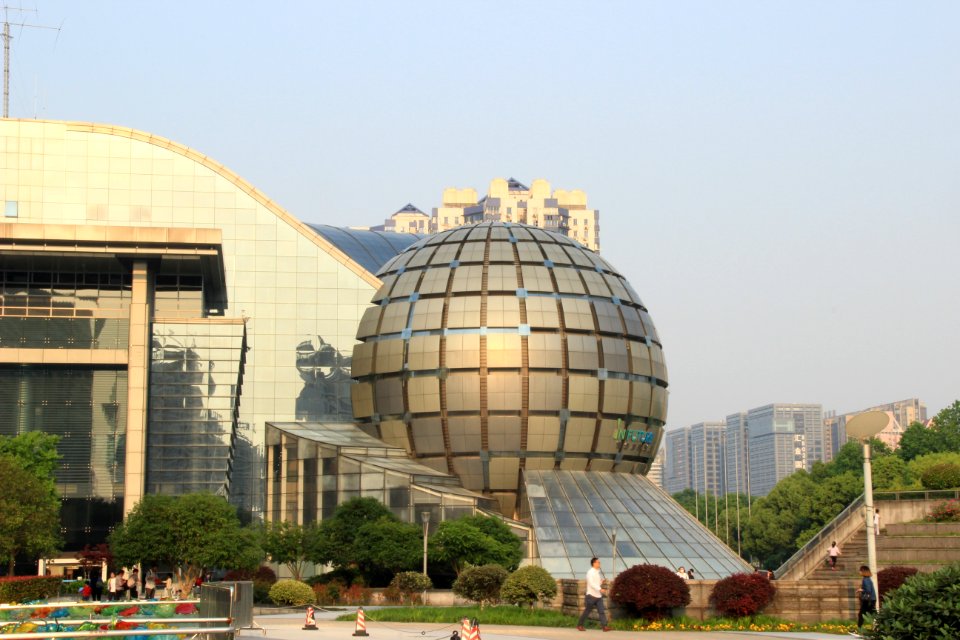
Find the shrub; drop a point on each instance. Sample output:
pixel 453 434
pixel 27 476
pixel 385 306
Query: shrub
pixel 292 592
pixel 261 592
pixel 481 584
pixel 527 585
pixel 891 578
pixel 945 475
pixel 265 574
pixel 926 606
pixel 946 511
pixel 411 583
pixel 28 588
pixel 742 594
pixel 650 591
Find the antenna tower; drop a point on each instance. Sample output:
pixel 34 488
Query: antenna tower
pixel 6 48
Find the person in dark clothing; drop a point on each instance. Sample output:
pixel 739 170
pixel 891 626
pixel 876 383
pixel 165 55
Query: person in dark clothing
pixel 867 595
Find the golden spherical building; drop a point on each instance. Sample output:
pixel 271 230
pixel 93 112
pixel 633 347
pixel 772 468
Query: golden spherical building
pixel 497 348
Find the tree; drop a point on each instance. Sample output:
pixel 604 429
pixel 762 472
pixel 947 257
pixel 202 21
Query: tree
pixel 335 544
pixel 29 513
pixel 35 450
pixel 387 544
pixel 942 435
pixel 462 542
pixel 192 532
pixel 92 557
pixel 918 440
pixel 481 584
pixel 289 544
pixel 771 533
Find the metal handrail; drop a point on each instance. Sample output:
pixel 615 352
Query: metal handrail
pixel 819 537
pixel 882 496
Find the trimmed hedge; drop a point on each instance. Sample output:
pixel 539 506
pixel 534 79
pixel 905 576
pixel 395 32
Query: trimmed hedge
pixel 528 585
pixel 742 594
pixel 28 588
pixel 650 591
pixel 293 593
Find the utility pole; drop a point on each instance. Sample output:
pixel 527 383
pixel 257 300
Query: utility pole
pixel 6 49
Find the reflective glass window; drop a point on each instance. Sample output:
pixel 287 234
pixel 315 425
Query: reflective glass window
pixel 544 350
pixel 423 353
pixel 584 392
pixel 577 314
pixel 579 435
pixel 389 394
pixel 395 317
pixel 595 284
pixel 530 252
pixel 543 433
pixel 467 278
pixel 568 280
pixel 502 277
pixel 389 356
pixel 615 354
pixel 501 252
pixel 608 317
pixel 536 278
pixel 472 252
pixel 464 311
pixel 462 351
pixel 503 433
pixel 640 359
pixel 542 312
pixel 423 394
pixel 427 435
pixel 546 393
pixel 582 351
pixel 463 392
pixel 504 392
pixel 504 350
pixel 616 394
pixel 435 280
pixel 503 311
pixel 427 314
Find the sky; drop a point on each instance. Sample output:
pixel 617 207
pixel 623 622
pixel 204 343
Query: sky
pixel 778 180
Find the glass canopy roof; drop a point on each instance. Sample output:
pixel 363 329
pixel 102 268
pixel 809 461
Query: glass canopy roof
pixel 575 515
pixel 370 249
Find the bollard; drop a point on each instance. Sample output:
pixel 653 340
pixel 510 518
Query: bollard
pixel 310 624
pixel 361 628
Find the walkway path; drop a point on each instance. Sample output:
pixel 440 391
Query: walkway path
pixel 288 627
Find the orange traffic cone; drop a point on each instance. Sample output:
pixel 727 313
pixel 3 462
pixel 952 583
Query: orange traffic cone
pixel 361 628
pixel 465 628
pixel 310 624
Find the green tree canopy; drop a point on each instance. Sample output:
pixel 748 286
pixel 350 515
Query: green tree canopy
pixel 777 520
pixel 36 451
pixel 29 513
pixel 335 544
pixel 385 547
pixel 473 541
pixel 290 544
pixel 193 532
pixel 942 435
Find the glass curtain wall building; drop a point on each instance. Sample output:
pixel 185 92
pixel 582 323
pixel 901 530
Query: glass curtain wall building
pixel 157 310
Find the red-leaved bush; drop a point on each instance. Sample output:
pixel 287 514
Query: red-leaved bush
pixel 891 578
pixel 742 594
pixel 650 591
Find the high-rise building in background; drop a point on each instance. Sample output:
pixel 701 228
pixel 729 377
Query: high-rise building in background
pixel 507 200
pixel 737 458
pixel 783 439
pixel 902 414
pixel 707 444
pixel 695 458
pixel 677 464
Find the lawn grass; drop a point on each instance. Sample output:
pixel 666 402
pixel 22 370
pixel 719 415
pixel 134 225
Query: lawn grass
pixel 509 615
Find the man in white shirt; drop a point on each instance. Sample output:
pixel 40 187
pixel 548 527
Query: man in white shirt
pixel 594 597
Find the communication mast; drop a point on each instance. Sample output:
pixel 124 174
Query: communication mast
pixel 6 48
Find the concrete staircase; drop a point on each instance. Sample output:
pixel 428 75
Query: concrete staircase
pixel 905 540
pixel 926 546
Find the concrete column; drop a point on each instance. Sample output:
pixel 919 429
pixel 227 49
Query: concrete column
pixel 138 381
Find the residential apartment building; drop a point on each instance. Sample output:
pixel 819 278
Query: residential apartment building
pixel 507 200
pixel 901 414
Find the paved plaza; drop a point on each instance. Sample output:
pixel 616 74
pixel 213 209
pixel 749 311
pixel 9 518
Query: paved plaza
pixel 288 627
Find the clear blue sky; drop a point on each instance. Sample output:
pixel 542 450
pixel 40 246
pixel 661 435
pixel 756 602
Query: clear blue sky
pixel 778 180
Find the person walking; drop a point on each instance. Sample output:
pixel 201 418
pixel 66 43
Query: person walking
pixel 867 595
pixel 834 553
pixel 112 587
pixel 150 584
pixel 690 574
pixel 132 584
pixel 594 597
pixel 681 572
pixel 876 521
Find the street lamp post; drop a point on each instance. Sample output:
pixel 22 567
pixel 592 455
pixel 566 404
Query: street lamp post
pixel 425 518
pixel 863 427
